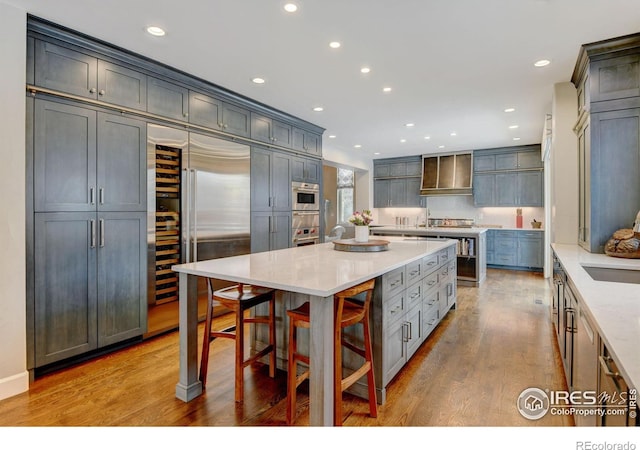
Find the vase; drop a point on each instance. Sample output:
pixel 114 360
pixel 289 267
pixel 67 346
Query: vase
pixel 362 233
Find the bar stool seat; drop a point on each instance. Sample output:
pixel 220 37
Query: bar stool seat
pixel 347 312
pixel 240 298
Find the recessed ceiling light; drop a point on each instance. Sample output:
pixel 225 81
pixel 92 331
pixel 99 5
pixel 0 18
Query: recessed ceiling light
pixel 516 138
pixel 290 7
pixel 403 140
pixel 334 44
pixel 453 133
pixel 427 137
pixel 376 153
pixel 258 80
pixel 357 146
pixel 508 110
pixel 542 63
pixel 156 31
pixel 386 89
pixel 365 70
pixel 409 125
pixel 332 136
pixel 440 146
pixel 318 109
pixel 513 127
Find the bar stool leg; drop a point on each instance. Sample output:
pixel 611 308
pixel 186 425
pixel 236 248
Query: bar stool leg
pixel 272 335
pixel 239 390
pixel 291 373
pixel 206 341
pixel 337 368
pixel 373 404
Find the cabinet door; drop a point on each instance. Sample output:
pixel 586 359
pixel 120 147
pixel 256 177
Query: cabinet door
pixel 64 157
pixel 506 194
pixel 414 168
pixel 282 134
pixel 307 142
pixel 313 169
pixel 65 285
pixel 167 99
pixel 615 184
pixel 414 339
pixel 65 70
pixel 260 180
pixel 529 160
pixel 484 163
pixel 484 189
pixel 122 276
pixel 122 86
pixel 381 170
pixel 584 183
pixel 394 350
pixel 281 182
pixel 413 192
pixel 260 232
pixel 381 193
pixel 530 252
pixel 280 230
pixel 507 161
pixel 586 364
pixel 122 159
pixel 261 128
pixel 530 189
pixel 205 110
pixel 615 78
pixel 236 120
pixel 397 192
pixel 305 170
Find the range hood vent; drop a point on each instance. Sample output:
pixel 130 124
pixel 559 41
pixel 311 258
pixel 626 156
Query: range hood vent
pixel 447 174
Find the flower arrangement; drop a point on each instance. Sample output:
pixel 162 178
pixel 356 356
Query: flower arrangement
pixel 361 218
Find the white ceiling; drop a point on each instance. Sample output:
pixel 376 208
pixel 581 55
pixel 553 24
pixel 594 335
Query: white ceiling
pixel 454 65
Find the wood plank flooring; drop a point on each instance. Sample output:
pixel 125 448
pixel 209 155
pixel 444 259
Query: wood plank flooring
pixel 470 372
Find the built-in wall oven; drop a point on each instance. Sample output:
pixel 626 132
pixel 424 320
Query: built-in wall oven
pixel 305 196
pixel 305 228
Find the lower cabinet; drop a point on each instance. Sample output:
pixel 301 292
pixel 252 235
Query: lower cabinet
pixel 270 231
pixel 90 282
pixel 408 304
pixel 515 248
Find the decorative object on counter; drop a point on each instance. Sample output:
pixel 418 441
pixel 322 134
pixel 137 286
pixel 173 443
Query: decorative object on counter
pixel 636 224
pixel 518 217
pixel 625 243
pixel 361 220
pixel 351 245
pixel 536 224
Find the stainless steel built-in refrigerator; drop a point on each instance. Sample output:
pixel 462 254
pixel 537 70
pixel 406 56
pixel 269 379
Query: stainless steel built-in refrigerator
pixel 199 208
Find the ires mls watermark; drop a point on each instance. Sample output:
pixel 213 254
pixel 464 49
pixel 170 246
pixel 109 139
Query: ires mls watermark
pixel 535 403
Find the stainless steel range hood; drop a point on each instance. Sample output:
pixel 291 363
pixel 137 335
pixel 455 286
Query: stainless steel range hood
pixel 447 174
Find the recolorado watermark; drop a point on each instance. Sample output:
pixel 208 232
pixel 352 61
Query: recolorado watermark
pixel 534 403
pixel 589 445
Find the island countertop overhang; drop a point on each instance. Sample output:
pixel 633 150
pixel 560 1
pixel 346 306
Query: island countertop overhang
pixel 317 270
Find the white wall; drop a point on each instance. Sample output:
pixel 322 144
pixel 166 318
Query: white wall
pixel 564 165
pixel 14 378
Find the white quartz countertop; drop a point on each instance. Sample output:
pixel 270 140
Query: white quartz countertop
pixel 615 307
pixel 429 231
pixel 313 269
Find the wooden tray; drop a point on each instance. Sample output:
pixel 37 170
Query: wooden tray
pixel 350 245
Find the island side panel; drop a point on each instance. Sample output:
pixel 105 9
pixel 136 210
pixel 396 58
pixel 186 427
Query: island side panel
pixel 321 361
pixel 188 387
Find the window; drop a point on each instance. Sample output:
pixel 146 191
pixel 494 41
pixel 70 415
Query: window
pixel 346 188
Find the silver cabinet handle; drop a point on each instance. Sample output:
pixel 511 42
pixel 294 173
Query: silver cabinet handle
pixel 93 233
pixel 195 214
pixel 605 367
pixel 101 195
pixel 101 232
pixel 93 90
pixel 92 196
pixel 102 92
pixel 186 200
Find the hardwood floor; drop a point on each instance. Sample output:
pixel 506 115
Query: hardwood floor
pixel 470 372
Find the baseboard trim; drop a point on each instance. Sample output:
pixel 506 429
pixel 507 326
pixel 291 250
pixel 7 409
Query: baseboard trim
pixel 14 385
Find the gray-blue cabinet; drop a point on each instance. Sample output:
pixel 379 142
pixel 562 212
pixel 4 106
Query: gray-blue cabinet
pixel 167 99
pixel 530 249
pixel 396 182
pixel 270 180
pixel 270 231
pixel 306 141
pixel 515 248
pixel 211 112
pixel 271 131
pixel 306 170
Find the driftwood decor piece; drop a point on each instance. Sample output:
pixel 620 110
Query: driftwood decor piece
pixel 625 243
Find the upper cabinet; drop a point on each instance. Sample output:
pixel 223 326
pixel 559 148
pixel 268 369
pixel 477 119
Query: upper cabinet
pixel 62 69
pixel 396 182
pixel 271 131
pixel 449 174
pixel 511 176
pixel 168 99
pixel 307 141
pixel 607 77
pixel 211 112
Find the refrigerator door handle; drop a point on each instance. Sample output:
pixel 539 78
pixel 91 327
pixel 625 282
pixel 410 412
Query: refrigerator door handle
pixel 186 200
pixel 195 214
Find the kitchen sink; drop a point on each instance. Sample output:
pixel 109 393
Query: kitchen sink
pixel 614 275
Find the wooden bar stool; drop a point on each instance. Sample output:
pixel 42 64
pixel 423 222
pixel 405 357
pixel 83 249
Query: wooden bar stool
pixel 240 298
pixel 347 312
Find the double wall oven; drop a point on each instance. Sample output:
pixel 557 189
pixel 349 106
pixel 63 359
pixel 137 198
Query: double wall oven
pixel 305 217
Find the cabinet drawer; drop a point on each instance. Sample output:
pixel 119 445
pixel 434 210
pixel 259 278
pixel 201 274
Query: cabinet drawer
pixel 429 263
pixel 443 273
pixel 505 259
pixel 393 282
pixel 393 310
pixel 530 234
pixel 505 245
pixel 430 281
pixel 414 294
pixel 501 234
pixel 430 321
pixel 430 301
pixel 414 271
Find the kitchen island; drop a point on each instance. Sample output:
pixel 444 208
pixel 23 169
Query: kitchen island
pixel 471 249
pixel 315 271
